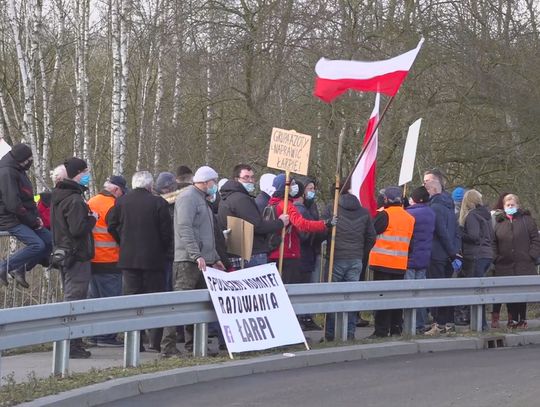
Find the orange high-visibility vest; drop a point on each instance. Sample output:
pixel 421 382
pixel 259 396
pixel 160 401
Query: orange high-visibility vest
pixel 391 248
pixel 106 248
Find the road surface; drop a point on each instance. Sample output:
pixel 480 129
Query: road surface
pixel 508 377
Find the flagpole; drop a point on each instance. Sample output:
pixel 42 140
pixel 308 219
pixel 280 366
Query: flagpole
pixel 366 146
pixel 284 230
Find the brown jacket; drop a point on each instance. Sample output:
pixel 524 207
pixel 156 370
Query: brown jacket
pixel 516 245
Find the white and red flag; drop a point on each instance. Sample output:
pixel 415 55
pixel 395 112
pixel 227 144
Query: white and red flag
pixel 335 77
pixel 363 176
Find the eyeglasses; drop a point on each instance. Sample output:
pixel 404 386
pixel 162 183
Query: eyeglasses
pixel 247 178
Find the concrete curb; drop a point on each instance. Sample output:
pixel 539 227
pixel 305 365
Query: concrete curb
pixel 118 389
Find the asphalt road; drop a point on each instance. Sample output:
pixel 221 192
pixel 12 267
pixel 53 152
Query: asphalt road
pixel 492 378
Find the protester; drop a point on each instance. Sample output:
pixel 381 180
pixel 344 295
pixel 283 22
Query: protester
pixel 498 207
pixel 194 245
pixel 457 197
pixel 516 248
pixel 476 239
pixel 19 216
pixel 389 257
pixel 140 223
pixel 106 277
pixel 421 243
pixel 266 191
pixel 291 254
pixel 354 234
pixel 72 223
pixel 445 256
pixel 237 201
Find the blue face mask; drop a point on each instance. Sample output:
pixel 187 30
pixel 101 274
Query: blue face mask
pixel 85 180
pixel 212 190
pixel 510 211
pixel 310 195
pixel 249 186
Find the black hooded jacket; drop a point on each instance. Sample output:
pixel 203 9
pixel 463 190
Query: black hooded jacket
pixel 17 204
pixel 71 222
pixel 477 234
pixel 235 201
pixel 355 233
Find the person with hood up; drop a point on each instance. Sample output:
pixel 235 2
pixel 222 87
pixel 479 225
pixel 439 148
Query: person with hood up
pixel 291 253
pixel 19 216
pixel 516 248
pixel 266 191
pixel 355 235
pixel 445 256
pixel 237 201
pixel 476 238
pixel 72 223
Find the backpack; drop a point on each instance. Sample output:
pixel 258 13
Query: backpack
pixel 273 240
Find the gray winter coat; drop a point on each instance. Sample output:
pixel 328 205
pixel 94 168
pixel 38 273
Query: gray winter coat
pixel 193 227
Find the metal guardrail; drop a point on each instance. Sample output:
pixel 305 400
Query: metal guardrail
pixel 61 322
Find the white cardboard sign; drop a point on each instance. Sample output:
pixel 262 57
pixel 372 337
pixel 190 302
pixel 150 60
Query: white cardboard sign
pixel 253 308
pixel 409 153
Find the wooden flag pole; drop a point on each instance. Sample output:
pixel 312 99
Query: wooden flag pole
pixel 366 146
pixel 284 230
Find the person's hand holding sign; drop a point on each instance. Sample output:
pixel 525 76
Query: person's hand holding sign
pixel 201 264
pixel 285 219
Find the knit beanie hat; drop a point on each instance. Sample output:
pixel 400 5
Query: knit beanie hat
pixel 204 174
pixel 21 152
pixel 74 166
pixel 165 181
pixel 279 183
pixel 457 194
pixel 119 181
pixel 420 195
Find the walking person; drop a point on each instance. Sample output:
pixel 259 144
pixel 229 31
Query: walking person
pixel 516 248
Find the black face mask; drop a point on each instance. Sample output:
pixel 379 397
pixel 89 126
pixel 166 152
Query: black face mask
pixel 27 166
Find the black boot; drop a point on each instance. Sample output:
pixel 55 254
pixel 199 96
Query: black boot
pixel 18 276
pixel 76 350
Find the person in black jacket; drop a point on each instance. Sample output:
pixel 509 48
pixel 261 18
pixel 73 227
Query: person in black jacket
pixel 236 201
pixel 19 215
pixel 141 224
pixel 72 222
pixel 355 235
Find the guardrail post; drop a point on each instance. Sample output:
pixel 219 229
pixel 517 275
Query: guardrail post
pixel 409 322
pixel 476 317
pixel 60 358
pixel 132 345
pixel 200 337
pixel 340 326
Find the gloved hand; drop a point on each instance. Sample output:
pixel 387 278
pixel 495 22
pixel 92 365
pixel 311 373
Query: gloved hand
pixel 456 264
pixel 331 222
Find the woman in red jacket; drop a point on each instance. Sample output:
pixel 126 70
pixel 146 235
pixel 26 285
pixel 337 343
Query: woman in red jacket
pixel 291 272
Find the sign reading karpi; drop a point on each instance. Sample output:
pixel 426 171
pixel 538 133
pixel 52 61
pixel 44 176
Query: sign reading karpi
pixel 253 308
pixel 289 151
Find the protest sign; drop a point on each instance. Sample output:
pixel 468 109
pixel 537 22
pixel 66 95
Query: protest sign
pixel 240 240
pixel 253 308
pixel 289 151
pixel 409 153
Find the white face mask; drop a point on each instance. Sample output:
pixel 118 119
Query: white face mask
pixel 294 190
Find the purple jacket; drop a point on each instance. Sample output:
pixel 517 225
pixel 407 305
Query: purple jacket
pixel 422 238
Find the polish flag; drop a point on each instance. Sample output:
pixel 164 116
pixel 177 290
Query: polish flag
pixel 335 77
pixel 363 177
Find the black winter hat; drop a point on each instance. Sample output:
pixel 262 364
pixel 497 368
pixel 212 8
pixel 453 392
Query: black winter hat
pixel 21 152
pixel 74 166
pixel 420 195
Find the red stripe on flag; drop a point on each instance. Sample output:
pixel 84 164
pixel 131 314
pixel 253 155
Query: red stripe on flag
pixel 329 89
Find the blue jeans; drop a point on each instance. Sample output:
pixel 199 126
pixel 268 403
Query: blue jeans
pixel 421 313
pixel 344 270
pixel 105 285
pixel 38 247
pixel 477 268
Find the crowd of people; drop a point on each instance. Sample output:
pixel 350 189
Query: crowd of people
pixel 160 235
